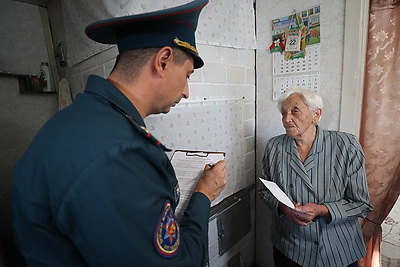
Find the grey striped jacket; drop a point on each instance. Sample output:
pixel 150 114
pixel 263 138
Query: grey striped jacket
pixel 333 174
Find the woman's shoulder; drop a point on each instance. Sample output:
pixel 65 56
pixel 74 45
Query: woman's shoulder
pixel 341 138
pixel 278 140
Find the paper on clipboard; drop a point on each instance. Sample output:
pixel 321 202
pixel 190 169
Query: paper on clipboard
pixel 188 166
pixel 278 193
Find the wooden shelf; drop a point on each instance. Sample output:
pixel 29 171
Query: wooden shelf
pixel 28 84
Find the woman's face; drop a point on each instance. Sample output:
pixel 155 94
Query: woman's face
pixel 297 119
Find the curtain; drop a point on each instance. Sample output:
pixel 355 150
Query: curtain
pixel 380 123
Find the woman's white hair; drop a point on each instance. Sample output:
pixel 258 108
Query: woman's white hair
pixel 311 99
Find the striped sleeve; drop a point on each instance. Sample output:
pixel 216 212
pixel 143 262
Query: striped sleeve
pixel 356 201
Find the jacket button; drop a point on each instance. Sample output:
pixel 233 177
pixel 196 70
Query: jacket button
pixel 316 243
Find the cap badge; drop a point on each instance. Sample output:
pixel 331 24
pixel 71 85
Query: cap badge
pixel 185 45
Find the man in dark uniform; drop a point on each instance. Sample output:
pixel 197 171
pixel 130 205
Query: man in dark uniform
pixel 95 188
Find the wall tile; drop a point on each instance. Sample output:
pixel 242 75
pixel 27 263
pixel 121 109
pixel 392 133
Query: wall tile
pixel 202 90
pixel 208 53
pixel 197 76
pixel 228 55
pixel 214 73
pixel 249 127
pixel 226 90
pixel 250 75
pixel 249 111
pixel 236 74
pixel 247 57
pixel 249 144
pixel 249 160
pixel 246 91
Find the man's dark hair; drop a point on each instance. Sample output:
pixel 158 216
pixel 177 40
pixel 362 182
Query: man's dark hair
pixel 131 62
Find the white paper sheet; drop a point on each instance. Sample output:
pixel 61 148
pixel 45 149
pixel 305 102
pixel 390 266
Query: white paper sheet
pixel 188 166
pixel 278 193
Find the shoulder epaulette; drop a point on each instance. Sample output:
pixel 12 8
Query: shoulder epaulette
pixel 142 130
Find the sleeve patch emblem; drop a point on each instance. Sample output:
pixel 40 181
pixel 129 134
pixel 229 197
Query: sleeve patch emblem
pixel 167 233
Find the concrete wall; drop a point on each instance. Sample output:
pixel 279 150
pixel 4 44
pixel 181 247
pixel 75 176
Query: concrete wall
pixel 21 115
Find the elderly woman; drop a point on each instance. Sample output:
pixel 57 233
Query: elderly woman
pixel 323 173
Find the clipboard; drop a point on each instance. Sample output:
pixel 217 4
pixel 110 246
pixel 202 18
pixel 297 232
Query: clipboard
pixel 189 166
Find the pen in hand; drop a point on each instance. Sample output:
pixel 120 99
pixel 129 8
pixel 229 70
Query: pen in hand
pixel 212 180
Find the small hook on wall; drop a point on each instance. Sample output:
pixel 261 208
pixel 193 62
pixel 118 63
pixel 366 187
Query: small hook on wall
pixel 60 55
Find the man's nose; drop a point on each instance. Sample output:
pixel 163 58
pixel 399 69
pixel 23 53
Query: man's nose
pixel 185 92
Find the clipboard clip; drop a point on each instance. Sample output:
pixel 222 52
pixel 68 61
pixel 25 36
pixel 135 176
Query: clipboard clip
pixel 197 154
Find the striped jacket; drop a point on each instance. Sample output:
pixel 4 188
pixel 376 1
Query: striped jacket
pixel 333 174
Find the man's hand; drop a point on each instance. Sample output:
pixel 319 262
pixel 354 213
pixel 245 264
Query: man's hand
pixel 213 180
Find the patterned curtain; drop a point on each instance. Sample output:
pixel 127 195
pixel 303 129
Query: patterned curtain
pixel 380 124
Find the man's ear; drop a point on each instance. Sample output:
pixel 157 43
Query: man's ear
pixel 163 58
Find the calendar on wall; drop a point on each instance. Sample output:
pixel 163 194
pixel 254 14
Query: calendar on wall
pixel 310 63
pixel 281 84
pixel 298 72
pixel 297 38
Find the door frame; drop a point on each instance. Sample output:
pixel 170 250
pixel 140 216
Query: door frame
pixel 354 54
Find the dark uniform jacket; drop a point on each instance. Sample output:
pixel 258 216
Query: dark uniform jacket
pixel 95 189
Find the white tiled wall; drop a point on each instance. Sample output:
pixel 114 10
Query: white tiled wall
pixel 227 73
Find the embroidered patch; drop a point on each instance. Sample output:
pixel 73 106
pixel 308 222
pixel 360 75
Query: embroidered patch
pixel 167 233
pixel 177 194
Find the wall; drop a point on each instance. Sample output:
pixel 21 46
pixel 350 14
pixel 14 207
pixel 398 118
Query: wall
pixel 267 116
pixel 23 46
pixel 21 115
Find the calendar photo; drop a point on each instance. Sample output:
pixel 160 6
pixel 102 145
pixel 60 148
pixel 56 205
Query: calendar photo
pixel 289 32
